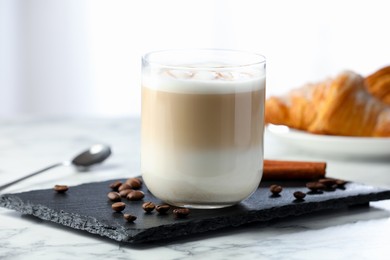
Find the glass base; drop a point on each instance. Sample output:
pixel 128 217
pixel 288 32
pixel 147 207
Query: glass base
pixel 201 205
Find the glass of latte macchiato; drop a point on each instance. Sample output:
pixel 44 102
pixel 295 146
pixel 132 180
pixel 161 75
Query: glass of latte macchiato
pixel 202 126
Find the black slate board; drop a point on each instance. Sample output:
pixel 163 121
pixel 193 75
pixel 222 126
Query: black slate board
pixel 86 207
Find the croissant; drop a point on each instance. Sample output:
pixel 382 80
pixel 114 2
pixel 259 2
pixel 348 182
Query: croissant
pixel 378 84
pixel 335 106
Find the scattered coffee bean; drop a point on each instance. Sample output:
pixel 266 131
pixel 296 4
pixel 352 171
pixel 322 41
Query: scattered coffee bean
pixel 115 185
pixel 340 183
pixel 129 217
pixel 162 209
pixel 135 195
pixel 61 188
pixel 181 212
pixel 315 186
pixel 275 189
pixel 114 196
pixel 124 186
pixel 124 193
pixel 331 188
pixel 299 195
pixel 134 183
pixel 148 206
pixel 328 182
pixel 118 206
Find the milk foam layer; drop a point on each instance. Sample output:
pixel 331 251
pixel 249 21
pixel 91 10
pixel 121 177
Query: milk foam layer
pixel 203 81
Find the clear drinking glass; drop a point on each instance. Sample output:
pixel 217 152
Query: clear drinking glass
pixel 202 126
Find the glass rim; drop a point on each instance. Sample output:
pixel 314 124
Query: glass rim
pixel 146 58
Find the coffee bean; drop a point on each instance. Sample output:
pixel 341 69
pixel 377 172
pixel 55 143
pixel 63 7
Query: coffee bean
pixel 115 185
pixel 124 186
pixel 162 209
pixel 328 182
pixel 61 188
pixel 135 195
pixel 331 188
pixel 315 186
pixel 275 189
pixel 148 206
pixel 118 206
pixel 114 196
pixel 124 193
pixel 299 195
pixel 340 183
pixel 134 183
pixel 181 212
pixel 129 217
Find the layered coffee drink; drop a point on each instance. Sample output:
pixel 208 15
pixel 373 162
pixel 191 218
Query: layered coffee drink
pixel 202 133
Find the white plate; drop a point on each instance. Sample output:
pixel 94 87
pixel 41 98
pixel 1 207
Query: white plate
pixel 345 146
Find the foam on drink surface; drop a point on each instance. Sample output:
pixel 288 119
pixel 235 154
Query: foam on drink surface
pixel 200 80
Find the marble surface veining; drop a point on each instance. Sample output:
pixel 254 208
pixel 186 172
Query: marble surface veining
pixel 30 144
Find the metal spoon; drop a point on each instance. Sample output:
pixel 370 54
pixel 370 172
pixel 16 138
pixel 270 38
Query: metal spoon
pixel 95 154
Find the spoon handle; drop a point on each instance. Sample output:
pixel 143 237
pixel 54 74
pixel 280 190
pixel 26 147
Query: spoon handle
pixel 30 175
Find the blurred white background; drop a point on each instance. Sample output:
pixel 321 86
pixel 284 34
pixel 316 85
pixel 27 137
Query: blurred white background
pixel 83 58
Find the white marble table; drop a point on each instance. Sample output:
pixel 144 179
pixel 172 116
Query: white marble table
pixel 30 144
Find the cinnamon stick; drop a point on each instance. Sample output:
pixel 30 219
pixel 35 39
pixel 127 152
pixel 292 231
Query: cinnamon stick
pixel 293 170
